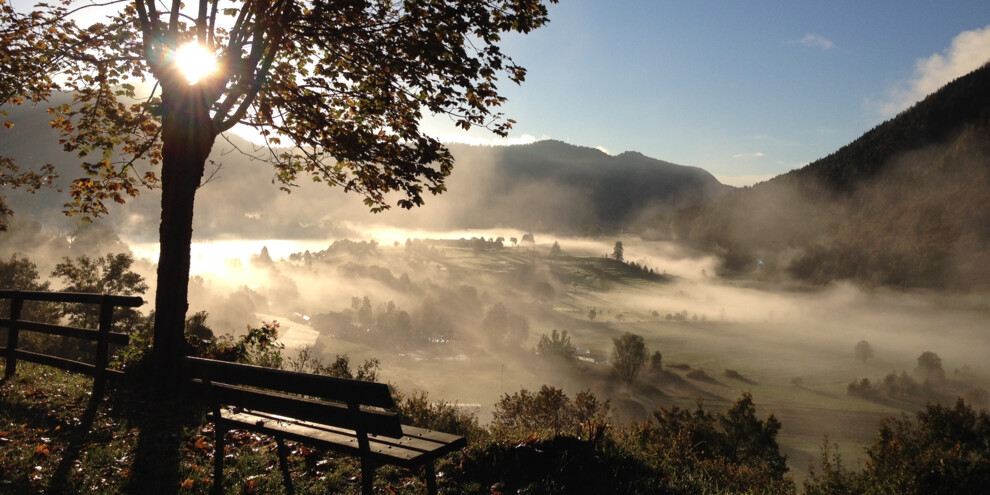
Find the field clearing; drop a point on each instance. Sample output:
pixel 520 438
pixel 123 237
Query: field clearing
pixel 790 347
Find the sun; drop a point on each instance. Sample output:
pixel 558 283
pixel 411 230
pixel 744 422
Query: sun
pixel 195 61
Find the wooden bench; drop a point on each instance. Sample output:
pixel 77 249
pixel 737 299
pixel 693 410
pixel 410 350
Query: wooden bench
pixel 348 416
pixel 103 336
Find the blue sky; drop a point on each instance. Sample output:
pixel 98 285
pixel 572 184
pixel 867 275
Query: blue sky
pixel 746 89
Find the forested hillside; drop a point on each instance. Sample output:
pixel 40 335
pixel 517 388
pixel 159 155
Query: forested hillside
pixel 906 204
pixel 547 185
pixel 558 186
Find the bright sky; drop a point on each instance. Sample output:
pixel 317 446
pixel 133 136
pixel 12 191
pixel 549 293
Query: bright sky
pixel 746 89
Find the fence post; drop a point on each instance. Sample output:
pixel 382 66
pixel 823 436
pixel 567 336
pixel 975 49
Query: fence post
pixel 16 303
pixel 102 346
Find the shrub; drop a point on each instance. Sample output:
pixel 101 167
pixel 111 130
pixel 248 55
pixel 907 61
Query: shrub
pixel 556 345
pixel 946 450
pixel 550 412
pixel 418 410
pixel 700 451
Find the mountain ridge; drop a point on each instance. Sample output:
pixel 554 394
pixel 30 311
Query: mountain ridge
pixel 903 205
pixel 547 185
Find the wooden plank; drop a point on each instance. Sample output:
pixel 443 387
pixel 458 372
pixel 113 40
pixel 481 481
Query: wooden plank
pixel 72 297
pixel 79 333
pixel 62 363
pixel 384 423
pixel 324 387
pixel 405 451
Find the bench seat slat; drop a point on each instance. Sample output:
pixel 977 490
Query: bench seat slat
pixel 305 409
pixel 348 416
pixel 407 451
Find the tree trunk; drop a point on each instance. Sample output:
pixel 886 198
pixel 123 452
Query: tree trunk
pixel 187 138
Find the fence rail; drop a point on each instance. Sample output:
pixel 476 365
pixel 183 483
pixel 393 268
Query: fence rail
pixel 103 336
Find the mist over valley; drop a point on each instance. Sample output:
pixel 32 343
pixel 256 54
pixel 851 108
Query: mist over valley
pixel 768 289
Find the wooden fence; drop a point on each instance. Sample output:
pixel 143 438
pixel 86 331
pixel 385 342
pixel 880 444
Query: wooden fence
pixel 102 336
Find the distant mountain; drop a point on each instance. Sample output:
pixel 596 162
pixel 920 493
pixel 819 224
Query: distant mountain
pixel 907 204
pixel 547 185
pixel 558 186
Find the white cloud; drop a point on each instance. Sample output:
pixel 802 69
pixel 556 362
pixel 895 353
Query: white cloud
pixel 604 150
pixel 968 52
pixel 814 41
pixel 748 155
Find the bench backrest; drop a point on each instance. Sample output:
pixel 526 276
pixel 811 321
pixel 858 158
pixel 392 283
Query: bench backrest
pixel 352 404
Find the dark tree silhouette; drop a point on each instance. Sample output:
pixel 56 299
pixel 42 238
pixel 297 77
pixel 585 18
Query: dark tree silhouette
pixel 863 350
pixel 628 355
pixel 337 90
pixel 617 251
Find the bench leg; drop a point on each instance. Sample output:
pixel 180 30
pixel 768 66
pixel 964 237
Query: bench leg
pixel 367 476
pixel 283 464
pixel 218 453
pixel 431 478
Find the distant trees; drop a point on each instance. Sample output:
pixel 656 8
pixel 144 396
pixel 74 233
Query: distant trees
pixel 617 252
pixel 628 355
pixel 555 249
pixel 363 313
pixel 893 386
pixel 529 239
pixel 863 350
pixel 504 328
pixel 556 345
pixel 592 314
pixel 22 274
pixel 110 274
pixel 432 320
pixel 393 322
pixel 656 361
pixel 930 368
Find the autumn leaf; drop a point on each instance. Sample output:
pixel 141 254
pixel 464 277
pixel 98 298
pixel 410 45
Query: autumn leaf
pixel 188 483
pixel 42 450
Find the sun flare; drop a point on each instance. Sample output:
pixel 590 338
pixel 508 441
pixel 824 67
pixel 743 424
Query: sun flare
pixel 195 61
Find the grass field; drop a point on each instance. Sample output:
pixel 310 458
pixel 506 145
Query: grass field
pixel 790 346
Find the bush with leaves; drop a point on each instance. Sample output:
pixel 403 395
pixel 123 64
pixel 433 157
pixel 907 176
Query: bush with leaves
pixel 557 345
pixel 835 478
pixel 550 412
pixel 259 346
pixel 417 409
pixel 697 451
pixel 946 450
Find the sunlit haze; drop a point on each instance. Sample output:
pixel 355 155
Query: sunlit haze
pixel 195 61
